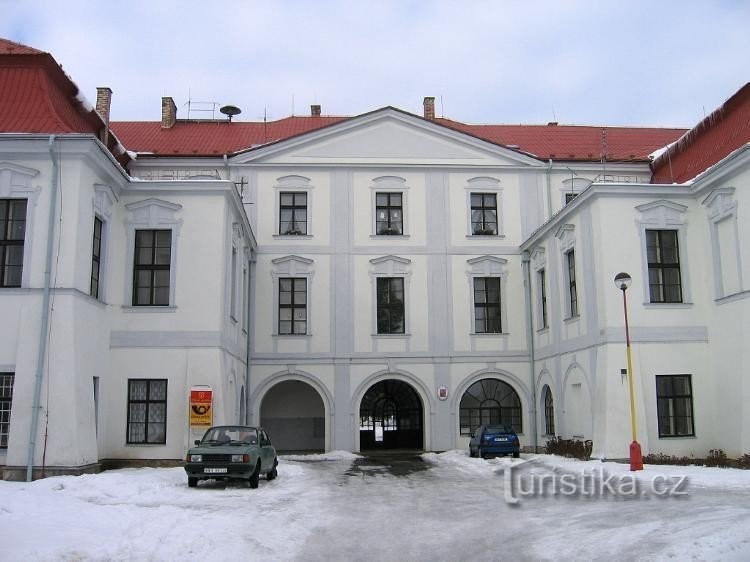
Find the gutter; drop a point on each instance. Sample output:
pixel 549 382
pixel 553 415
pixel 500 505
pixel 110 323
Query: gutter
pixel 549 189
pixel 526 264
pixel 45 313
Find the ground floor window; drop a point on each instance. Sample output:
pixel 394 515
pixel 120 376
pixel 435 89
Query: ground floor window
pixel 147 411
pixel 549 412
pixel 674 404
pixel 6 400
pixel 490 401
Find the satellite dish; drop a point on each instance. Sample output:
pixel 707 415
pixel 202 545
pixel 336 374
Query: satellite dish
pixel 230 111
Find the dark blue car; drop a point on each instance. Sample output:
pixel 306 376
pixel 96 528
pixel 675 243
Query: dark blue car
pixel 493 440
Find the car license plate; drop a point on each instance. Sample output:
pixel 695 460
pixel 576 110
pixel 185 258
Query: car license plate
pixel 214 470
pixel 501 438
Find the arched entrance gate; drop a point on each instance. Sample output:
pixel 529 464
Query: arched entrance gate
pixel 391 417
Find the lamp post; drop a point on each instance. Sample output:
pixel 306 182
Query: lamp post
pixel 622 282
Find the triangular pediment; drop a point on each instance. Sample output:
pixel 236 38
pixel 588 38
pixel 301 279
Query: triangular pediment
pixel 387 136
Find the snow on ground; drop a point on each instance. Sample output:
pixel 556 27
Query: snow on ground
pixel 444 506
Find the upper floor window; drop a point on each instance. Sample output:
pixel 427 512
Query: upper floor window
pixel 96 258
pixel 570 260
pixel 147 411
pixel 151 270
pixel 6 401
pixel 292 306
pixel 390 305
pixel 292 213
pixel 663 266
pixel 487 318
pixel 542 298
pixel 389 213
pixel 674 405
pixel 569 196
pixel 483 213
pixel 12 235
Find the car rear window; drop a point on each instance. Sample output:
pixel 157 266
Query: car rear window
pixel 499 429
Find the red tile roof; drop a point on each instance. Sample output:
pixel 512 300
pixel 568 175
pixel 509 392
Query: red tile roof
pixel 12 48
pixel 721 133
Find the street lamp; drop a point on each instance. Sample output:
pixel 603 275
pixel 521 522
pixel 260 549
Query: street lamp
pixel 622 282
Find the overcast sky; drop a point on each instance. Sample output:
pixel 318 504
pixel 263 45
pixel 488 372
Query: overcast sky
pixel 618 63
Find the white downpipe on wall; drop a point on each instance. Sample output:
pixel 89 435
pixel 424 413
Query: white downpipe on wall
pixel 549 189
pixel 526 263
pixel 45 313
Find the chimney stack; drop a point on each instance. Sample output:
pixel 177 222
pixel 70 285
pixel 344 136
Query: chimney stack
pixel 315 110
pixel 103 103
pixel 168 113
pixel 429 108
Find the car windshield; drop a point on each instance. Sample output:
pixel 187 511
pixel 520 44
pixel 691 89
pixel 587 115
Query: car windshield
pixel 499 429
pixel 231 435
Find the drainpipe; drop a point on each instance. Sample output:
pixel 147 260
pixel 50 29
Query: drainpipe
pixel 549 189
pixel 526 262
pixel 45 312
pixel 250 300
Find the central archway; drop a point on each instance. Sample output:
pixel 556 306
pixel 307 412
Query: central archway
pixel 391 417
pixel 293 414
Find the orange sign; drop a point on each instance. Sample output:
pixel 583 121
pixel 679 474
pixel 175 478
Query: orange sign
pixel 201 402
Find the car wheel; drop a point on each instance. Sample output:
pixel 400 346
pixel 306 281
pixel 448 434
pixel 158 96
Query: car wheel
pixel 255 477
pixel 516 455
pixel 273 473
pixel 192 482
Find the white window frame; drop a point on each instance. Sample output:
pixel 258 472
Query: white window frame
pixel 292 184
pixel 103 204
pixel 664 215
pixel 389 184
pixel 566 241
pixel 485 185
pixel 488 266
pixel 151 214
pixel 539 263
pixel 390 266
pixel 292 267
pixel 721 206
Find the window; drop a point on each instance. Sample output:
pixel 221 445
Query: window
pixel 663 266
pixel 292 306
pixel 245 297
pixel 96 258
pixel 12 234
pixel 147 411
pixel 569 196
pixel 487 319
pixel 292 213
pixel 483 213
pixel 233 288
pixel 151 272
pixel 6 401
pixel 490 401
pixel 543 298
pixel 674 405
pixel 570 260
pixel 549 412
pixel 390 314
pixel 389 213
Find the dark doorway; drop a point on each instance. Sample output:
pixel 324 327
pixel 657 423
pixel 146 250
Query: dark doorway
pixel 390 417
pixel 293 415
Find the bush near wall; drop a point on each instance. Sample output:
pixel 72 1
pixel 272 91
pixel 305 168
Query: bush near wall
pixel 572 448
pixel 716 457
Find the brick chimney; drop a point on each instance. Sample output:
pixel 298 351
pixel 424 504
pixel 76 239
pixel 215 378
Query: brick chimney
pixel 103 103
pixel 168 113
pixel 429 108
pixel 315 110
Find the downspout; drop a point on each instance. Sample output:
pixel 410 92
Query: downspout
pixel 249 299
pixel 549 189
pixel 526 262
pixel 45 312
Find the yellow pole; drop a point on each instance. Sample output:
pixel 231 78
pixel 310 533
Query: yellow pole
pixel 630 367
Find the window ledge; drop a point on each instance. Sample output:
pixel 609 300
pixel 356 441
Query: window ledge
pixel 292 236
pixel 542 331
pixel 150 309
pixel 677 437
pixel 145 444
pixel 489 334
pixel 396 236
pixel 663 305
pixel 391 336
pixel 291 336
pixel 571 319
pixel 485 236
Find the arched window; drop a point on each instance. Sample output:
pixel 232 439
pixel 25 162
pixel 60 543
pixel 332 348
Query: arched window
pixel 490 401
pixel 549 412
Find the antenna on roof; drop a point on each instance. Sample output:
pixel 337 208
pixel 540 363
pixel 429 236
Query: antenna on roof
pixel 554 115
pixel 230 111
pixel 265 125
pixel 442 107
pixel 292 104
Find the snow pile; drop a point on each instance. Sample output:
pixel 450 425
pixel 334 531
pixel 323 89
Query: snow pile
pixel 329 456
pixel 461 461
